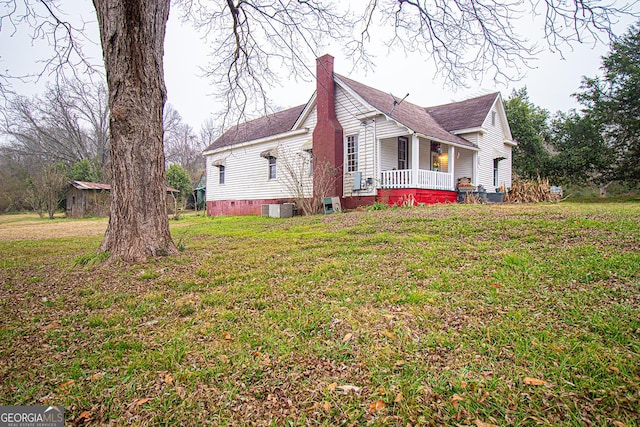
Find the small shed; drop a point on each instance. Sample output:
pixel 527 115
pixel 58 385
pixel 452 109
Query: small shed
pixel 87 199
pixel 91 199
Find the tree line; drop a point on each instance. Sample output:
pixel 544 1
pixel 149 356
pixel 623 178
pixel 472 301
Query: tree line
pixel 598 145
pixel 63 134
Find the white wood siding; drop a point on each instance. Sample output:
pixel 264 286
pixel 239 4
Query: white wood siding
pixel 490 143
pixel 389 151
pixel 463 165
pixel 347 110
pixel 425 154
pixel 247 173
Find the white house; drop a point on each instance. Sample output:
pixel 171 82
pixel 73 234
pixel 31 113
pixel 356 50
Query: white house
pixel 382 149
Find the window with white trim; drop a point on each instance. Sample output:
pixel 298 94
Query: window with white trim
pixel 272 167
pixel 352 153
pixel 496 162
pixel 220 174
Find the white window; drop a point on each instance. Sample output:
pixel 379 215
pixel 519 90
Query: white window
pixel 272 167
pixel 496 162
pixel 352 153
pixel 493 118
pixel 221 174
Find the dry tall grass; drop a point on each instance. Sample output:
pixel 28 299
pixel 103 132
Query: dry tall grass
pixel 531 191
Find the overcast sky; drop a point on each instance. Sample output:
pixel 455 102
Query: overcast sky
pixel 550 82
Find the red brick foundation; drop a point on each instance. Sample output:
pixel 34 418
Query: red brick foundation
pixel 414 196
pixel 240 207
pixel 355 201
pixel 411 196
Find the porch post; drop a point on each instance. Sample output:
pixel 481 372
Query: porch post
pixel 378 175
pixel 474 176
pixel 452 160
pixel 415 159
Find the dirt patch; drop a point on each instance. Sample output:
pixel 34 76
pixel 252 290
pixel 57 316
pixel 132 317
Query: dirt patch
pixel 41 229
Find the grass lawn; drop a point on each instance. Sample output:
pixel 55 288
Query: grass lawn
pixel 440 315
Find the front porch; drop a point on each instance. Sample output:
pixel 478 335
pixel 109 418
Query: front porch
pixel 421 179
pixel 413 162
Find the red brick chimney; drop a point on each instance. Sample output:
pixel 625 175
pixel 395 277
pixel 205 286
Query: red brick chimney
pixel 328 145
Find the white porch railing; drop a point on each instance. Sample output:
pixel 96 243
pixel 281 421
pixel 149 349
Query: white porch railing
pixel 434 180
pixel 396 179
pixel 428 180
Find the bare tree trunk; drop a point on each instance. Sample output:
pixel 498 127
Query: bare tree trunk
pixel 132 34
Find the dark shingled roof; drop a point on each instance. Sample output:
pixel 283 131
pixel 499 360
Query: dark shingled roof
pixel 270 125
pixel 412 116
pixel 466 114
pixel 436 122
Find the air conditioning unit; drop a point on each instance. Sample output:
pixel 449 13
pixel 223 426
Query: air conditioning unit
pixel 284 210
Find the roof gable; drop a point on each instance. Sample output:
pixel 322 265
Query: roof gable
pixel 467 114
pixel 272 124
pixel 410 115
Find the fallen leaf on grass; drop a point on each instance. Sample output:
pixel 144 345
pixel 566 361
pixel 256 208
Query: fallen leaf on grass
pixel 141 402
pixel 399 398
pixel 495 285
pixel 348 388
pixel 347 337
pixel 96 377
pixel 332 386
pixel 51 325
pixel 390 334
pixel 181 392
pixel 84 415
pixel 326 406
pixel 456 399
pixel 376 406
pixel 614 369
pixel 534 381
pixel 227 335
pixel 400 362
pixel 479 423
pixel 168 378
pixel 619 424
pixel 65 385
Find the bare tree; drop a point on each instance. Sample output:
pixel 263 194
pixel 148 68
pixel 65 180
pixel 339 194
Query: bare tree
pixel 252 39
pixel 181 146
pixel 308 179
pixel 67 124
pixel 14 178
pixel 45 189
pixel 469 39
pixel 209 131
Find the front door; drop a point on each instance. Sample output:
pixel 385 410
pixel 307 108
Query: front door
pixel 403 153
pixel 435 161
